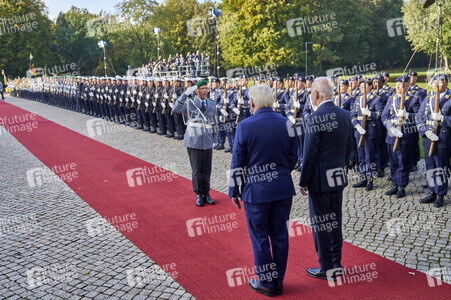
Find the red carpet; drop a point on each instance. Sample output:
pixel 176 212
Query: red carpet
pixel 201 261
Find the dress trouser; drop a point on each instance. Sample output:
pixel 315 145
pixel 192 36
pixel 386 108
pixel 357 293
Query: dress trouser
pixel 200 161
pixel 267 221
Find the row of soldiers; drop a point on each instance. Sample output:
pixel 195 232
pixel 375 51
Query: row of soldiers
pixel 387 121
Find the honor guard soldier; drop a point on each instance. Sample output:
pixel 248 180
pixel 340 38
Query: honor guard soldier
pixel 294 110
pixel 386 88
pixel 346 101
pixel 414 88
pixel 365 120
pixel 226 116
pixel 242 109
pixel 355 85
pixel 122 101
pixel 281 97
pixel 152 108
pixel 168 108
pixel 434 124
pixel 215 95
pixel 382 150
pixel 309 107
pixel 399 119
pixel 178 119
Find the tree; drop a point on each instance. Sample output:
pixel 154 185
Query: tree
pixel 421 26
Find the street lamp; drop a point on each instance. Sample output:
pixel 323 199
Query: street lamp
pixel 306 44
pixel 102 44
pixel 214 14
pixel 157 32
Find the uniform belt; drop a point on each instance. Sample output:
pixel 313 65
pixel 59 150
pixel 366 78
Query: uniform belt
pixel 244 106
pixel 432 123
pixel 359 118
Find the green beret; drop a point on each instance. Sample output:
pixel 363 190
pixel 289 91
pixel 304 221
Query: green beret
pixel 201 83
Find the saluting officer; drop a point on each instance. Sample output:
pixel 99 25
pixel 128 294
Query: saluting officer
pixel 400 124
pixel 438 164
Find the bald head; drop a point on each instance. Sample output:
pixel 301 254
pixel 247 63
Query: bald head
pixel 322 89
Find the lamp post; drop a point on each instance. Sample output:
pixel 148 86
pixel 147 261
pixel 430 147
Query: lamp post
pixel 157 32
pixel 214 14
pixel 102 44
pixel 306 44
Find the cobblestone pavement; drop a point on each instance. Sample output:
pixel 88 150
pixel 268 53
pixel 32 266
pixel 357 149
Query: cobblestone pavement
pixel 402 230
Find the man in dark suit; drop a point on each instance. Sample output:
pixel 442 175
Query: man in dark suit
pixel 264 154
pixel 327 146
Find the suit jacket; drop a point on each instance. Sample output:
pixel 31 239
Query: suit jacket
pixel 264 154
pixel 327 145
pixel 200 132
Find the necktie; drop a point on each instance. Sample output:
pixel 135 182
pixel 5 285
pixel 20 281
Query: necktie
pixel 203 106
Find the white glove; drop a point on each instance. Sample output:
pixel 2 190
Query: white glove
pixel 147 104
pixel 134 92
pixel 237 111
pixel 437 116
pixel 147 96
pixel 133 99
pixel 396 132
pixel 139 102
pixel 190 90
pixel 276 105
pixel 292 119
pixel 140 94
pixel 432 136
pixel 122 92
pixel 166 96
pixel 163 105
pixel 174 96
pixel 360 129
pixel 297 104
pixel 155 95
pixel 223 111
pixel 366 112
pixel 240 101
pixel 403 114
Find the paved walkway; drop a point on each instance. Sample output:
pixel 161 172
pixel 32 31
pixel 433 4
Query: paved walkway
pixel 51 223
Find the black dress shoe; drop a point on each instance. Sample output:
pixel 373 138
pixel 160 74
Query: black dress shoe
pixel 170 135
pixel 360 184
pixel 199 200
pixel 401 192
pixel 369 185
pixel 298 164
pixel 392 191
pixel 380 173
pixel 160 133
pixel 209 200
pixel 429 198
pixel 220 147
pixel 216 146
pixel 317 273
pixel 153 131
pixel 439 201
pixel 228 150
pixel 257 287
pixel 425 186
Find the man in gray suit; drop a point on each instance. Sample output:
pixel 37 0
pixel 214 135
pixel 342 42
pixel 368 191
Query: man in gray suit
pixel 199 137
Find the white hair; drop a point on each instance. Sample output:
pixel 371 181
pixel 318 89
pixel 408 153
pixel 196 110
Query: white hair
pixel 262 95
pixel 324 86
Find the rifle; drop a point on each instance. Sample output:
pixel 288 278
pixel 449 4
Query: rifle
pixel 165 100
pixel 295 98
pixel 339 96
pixel 140 96
pixel 275 96
pixel 115 94
pixel 362 136
pixel 174 92
pixel 238 118
pixel 155 103
pixel 226 101
pixel 433 147
pixel 147 98
pixel 401 107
